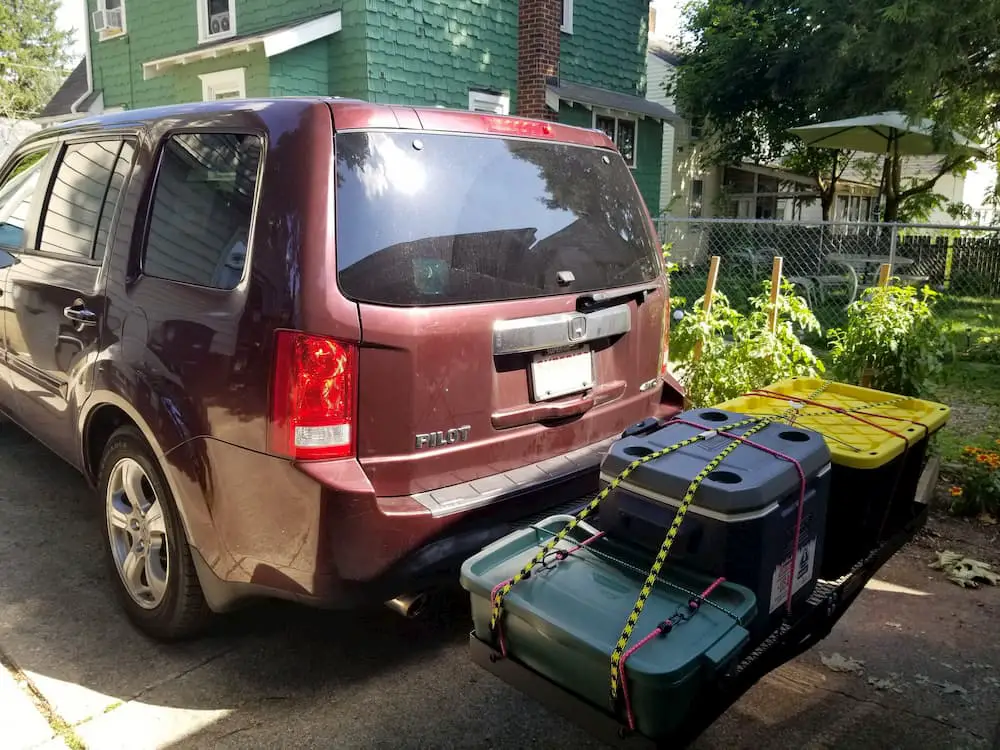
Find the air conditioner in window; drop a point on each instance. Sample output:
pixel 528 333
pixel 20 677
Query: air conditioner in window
pixel 107 20
pixel 218 23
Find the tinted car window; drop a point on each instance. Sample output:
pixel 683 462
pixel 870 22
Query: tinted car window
pixel 445 219
pixel 73 209
pixel 122 167
pixel 15 197
pixel 202 205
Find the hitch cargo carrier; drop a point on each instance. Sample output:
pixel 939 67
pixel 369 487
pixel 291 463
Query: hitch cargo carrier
pixel 548 599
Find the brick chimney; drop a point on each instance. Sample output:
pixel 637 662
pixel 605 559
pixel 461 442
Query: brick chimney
pixel 538 23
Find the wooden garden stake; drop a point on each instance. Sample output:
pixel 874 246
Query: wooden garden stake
pixel 713 277
pixel 772 315
pixel 883 274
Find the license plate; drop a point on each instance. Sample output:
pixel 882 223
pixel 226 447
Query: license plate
pixel 561 373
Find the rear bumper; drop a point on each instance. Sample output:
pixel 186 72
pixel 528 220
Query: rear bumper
pixel 316 533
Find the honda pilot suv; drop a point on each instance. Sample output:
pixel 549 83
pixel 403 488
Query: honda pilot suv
pixel 321 349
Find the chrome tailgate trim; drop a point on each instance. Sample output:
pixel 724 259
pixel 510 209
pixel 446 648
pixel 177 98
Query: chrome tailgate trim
pixel 520 335
pixel 458 498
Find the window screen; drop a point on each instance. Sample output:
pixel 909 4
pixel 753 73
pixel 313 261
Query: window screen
pixel 73 210
pixel 202 205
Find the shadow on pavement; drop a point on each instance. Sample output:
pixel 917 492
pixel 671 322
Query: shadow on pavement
pixel 58 617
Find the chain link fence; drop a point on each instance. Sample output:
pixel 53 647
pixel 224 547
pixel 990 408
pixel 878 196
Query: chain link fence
pixel 831 264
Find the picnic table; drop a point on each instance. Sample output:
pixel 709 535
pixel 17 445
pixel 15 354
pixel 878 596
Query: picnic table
pixel 868 265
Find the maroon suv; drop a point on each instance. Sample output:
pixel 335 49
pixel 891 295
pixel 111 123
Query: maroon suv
pixel 322 349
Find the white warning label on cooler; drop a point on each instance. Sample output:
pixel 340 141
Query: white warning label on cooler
pixel 803 574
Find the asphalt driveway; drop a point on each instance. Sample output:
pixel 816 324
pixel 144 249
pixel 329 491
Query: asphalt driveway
pixel 922 660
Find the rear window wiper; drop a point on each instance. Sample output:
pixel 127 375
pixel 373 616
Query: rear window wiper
pixel 598 299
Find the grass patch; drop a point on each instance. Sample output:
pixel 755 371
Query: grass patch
pixel 972 390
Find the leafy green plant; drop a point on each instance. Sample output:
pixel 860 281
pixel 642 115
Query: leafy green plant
pixel 739 353
pixel 892 341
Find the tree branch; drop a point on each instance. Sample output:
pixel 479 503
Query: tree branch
pixel 848 158
pixel 946 166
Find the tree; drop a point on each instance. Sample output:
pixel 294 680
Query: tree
pixel 944 65
pixel 33 57
pixel 755 68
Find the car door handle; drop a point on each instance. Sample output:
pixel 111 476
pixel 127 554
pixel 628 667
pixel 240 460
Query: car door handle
pixel 80 315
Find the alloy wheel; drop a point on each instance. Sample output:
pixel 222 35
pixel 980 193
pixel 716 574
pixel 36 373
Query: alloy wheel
pixel 138 534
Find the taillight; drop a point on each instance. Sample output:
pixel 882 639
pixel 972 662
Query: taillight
pixel 312 397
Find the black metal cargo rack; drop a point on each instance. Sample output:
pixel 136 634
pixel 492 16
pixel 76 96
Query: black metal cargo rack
pixel 824 608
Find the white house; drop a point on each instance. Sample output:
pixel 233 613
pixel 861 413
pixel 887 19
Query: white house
pixel 751 191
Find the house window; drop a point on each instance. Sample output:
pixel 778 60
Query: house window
pixel 567 17
pixel 494 104
pixel 622 131
pixel 224 84
pixel 108 21
pixel 216 19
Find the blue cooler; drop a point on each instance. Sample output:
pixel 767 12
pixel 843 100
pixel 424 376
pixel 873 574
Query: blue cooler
pixel 741 524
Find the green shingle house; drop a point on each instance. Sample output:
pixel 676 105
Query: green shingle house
pixel 581 62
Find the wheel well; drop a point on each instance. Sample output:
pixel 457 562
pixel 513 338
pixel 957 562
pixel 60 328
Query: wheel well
pixel 100 427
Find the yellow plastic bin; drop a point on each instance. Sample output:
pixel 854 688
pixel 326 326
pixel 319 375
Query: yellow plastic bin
pixel 877 441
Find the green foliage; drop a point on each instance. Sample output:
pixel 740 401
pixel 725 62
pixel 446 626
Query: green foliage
pixel 893 337
pixel 752 70
pixel 32 56
pixel 739 353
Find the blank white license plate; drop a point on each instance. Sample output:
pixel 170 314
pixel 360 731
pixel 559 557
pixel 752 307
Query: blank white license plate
pixel 562 373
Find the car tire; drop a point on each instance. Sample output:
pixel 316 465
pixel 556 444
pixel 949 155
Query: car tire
pixel 146 546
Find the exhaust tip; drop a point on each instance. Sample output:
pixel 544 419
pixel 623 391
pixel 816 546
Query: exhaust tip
pixel 408 605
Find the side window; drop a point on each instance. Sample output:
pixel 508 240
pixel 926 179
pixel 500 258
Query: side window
pixel 16 194
pixel 118 177
pixel 199 226
pixel 73 211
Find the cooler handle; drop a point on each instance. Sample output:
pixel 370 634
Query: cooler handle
pixel 723 650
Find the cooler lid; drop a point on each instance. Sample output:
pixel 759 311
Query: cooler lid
pixel 865 428
pixel 584 602
pixel 747 480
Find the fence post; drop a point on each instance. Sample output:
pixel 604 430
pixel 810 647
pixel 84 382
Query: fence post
pixel 772 315
pixel 893 236
pixel 713 277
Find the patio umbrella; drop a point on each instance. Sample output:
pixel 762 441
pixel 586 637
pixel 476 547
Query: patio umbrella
pixel 889 133
pixel 882 133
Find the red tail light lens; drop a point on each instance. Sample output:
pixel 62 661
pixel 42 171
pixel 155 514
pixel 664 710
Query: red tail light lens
pixel 516 127
pixel 312 397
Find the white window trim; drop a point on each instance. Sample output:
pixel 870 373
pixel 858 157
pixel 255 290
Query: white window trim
pixel 223 82
pixel 567 14
pixel 203 35
pixel 482 101
pixel 617 119
pixel 103 36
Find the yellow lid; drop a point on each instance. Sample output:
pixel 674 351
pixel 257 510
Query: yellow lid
pixel 864 428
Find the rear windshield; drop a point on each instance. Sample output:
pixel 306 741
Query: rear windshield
pixel 435 219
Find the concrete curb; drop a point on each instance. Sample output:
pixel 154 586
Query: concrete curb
pixel 27 719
